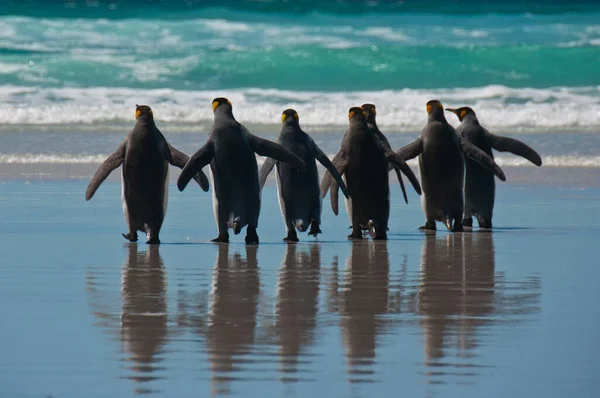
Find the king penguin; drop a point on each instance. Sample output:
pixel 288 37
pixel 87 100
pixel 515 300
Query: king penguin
pixel 441 155
pixel 299 196
pixel 145 155
pixel 371 114
pixel 230 150
pixel 364 163
pixel 480 186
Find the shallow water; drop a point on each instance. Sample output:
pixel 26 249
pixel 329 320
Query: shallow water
pixel 508 313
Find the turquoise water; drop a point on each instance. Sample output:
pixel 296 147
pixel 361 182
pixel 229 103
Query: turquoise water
pixel 520 65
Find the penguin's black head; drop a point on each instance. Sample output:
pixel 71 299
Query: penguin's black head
pixel 289 116
pixel 462 112
pixel 370 112
pixel 222 104
pixel 356 114
pixel 143 111
pixel 435 110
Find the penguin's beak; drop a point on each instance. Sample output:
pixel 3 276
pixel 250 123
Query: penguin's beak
pixel 452 110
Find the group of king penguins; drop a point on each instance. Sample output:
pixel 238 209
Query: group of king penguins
pixel 360 169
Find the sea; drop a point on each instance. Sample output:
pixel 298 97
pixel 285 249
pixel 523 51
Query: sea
pixel 71 68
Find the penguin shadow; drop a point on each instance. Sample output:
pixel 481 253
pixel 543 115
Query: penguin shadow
pixel 456 298
pixel 296 306
pixel 231 320
pixel 142 321
pixel 362 299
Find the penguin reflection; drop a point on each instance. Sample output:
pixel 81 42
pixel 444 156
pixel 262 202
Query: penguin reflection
pixel 456 292
pixel 363 298
pixel 144 311
pixel 297 303
pixel 232 314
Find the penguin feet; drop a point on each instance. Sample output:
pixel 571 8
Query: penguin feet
pixel 429 226
pixel 485 223
pixel 314 229
pixel 292 237
pixel 467 222
pixel 251 236
pixel 222 238
pixel 356 234
pixel 132 236
pixel 458 227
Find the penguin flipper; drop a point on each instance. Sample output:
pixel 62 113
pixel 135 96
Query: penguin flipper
pixel 505 144
pixel 195 164
pixel 474 153
pixel 165 148
pixel 411 150
pixel 333 196
pixel 111 163
pixel 397 161
pixel 180 159
pixel 324 160
pixel 399 175
pixel 265 170
pixel 273 150
pixel 326 181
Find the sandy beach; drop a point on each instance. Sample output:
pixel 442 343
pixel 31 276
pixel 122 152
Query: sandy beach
pixel 452 314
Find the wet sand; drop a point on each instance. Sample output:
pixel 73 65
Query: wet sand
pixel 508 313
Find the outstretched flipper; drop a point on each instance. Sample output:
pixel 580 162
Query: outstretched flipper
pixel 396 160
pixel 399 175
pixel 324 160
pixel 111 163
pixel 326 181
pixel 195 164
pixel 265 170
pixel 505 144
pixel 271 149
pixel 411 150
pixel 333 195
pixel 180 159
pixel 474 153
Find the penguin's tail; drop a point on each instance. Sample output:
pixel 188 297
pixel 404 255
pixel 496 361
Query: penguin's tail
pixel 237 226
pixel 301 225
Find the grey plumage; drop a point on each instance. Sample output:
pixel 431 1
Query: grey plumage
pixel 230 150
pixel 441 165
pixel 364 162
pixel 480 185
pixel 299 196
pixel 144 155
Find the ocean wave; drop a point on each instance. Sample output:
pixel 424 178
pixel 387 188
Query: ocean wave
pixel 316 52
pixel 575 161
pixel 498 107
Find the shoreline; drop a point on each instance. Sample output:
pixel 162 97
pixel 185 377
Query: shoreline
pixel 547 176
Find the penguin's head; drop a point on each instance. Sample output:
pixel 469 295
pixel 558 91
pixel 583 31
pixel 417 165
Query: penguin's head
pixel 356 115
pixel 290 116
pixel 370 112
pixel 143 111
pixel 462 112
pixel 435 110
pixel 222 105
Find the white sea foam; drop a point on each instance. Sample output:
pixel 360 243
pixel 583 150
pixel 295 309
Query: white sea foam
pixel 508 161
pixel 39 158
pixel 500 108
